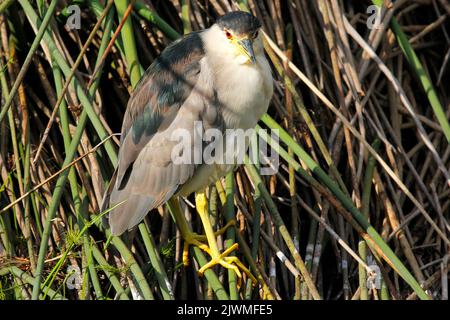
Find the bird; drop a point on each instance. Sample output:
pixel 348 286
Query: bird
pixel 218 78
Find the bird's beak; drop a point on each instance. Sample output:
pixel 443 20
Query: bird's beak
pixel 246 47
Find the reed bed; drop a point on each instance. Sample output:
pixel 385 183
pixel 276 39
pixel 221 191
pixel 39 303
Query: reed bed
pixel 359 208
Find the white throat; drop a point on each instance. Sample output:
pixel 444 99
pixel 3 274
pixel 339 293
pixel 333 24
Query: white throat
pixel 246 87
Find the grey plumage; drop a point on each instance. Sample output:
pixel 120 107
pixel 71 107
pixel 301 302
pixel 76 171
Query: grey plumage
pixel 145 178
pixel 182 86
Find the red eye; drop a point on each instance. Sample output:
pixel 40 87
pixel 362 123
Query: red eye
pixel 228 34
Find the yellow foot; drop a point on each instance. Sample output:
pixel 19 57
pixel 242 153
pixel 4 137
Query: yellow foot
pixel 227 262
pixel 218 258
pixel 194 239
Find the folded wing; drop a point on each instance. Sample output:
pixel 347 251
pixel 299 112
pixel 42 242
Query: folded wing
pixel 166 99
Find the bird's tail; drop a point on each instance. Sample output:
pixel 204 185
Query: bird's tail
pixel 106 200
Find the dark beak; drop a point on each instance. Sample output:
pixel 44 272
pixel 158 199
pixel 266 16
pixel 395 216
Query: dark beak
pixel 247 46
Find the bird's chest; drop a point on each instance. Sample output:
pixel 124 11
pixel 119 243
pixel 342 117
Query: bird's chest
pixel 244 95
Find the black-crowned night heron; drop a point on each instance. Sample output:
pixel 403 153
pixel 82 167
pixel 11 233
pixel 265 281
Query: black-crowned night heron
pixel 218 77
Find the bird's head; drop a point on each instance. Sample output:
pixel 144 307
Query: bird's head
pixel 238 35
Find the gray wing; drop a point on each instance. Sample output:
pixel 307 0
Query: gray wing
pixel 172 95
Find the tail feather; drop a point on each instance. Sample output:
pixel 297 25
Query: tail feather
pixel 106 199
pixel 132 206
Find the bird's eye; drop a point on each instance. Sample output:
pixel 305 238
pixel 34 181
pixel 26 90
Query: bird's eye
pixel 228 34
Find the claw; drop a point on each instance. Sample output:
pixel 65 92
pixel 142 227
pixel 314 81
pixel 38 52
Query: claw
pixel 240 265
pixel 191 238
pixel 194 239
pixel 232 263
pixel 221 259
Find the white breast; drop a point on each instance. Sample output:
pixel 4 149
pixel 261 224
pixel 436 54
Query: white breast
pixel 245 91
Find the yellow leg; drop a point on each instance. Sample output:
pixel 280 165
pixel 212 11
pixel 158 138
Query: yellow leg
pixel 191 238
pixel 233 263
